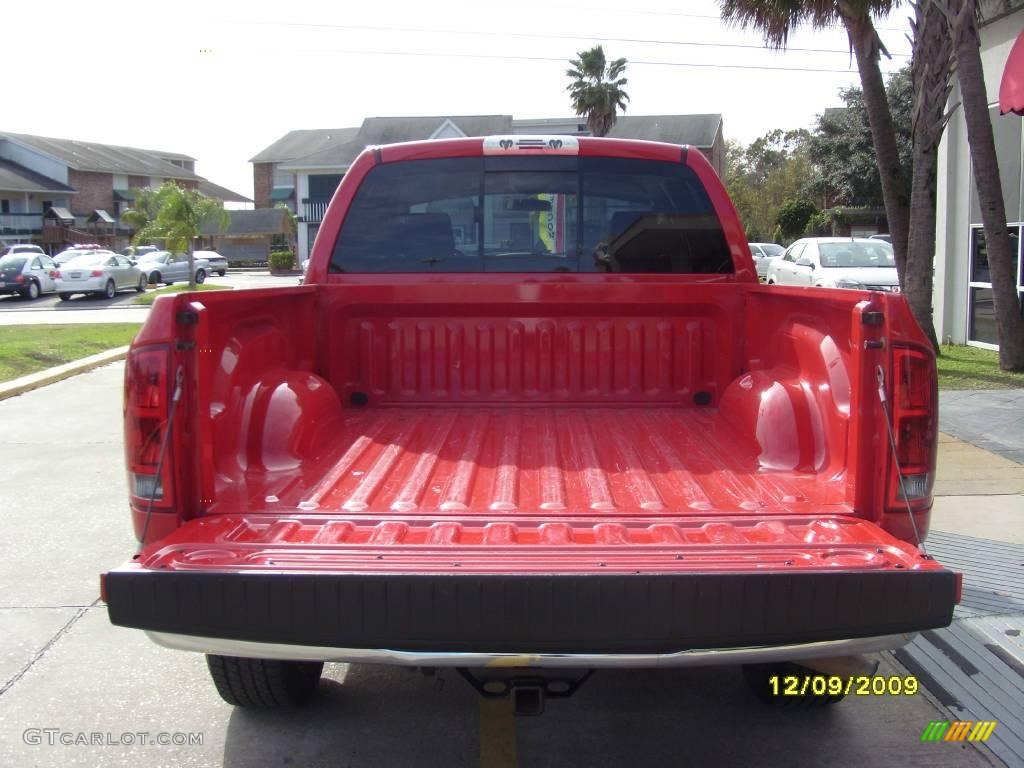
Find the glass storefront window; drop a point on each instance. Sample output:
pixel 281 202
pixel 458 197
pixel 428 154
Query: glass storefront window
pixel 980 272
pixel 982 318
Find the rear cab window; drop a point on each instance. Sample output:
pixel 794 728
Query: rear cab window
pixel 531 214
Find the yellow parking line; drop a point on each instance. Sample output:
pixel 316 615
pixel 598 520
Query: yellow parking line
pixel 497 734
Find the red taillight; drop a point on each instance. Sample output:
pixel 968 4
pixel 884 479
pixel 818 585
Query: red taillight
pixel 146 408
pixel 97 273
pixel 19 279
pixel 56 274
pixel 914 403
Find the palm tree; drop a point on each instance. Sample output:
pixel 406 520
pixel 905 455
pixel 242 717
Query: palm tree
pixel 597 89
pixel 141 214
pixel 963 21
pixel 931 72
pixel 180 214
pixel 775 20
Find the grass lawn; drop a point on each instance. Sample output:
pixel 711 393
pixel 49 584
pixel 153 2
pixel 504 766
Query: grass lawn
pixel 974 368
pixel 149 297
pixel 26 349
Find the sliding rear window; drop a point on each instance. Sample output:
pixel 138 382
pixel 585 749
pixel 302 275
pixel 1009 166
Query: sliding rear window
pixel 532 214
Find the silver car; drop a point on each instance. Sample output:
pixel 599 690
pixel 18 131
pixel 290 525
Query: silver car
pixel 217 262
pixel 763 253
pixel 27 274
pixel 169 268
pixel 102 273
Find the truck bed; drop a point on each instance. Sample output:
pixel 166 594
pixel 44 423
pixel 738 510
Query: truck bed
pixel 617 460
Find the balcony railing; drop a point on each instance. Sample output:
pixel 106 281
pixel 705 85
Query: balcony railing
pixel 313 210
pixel 21 223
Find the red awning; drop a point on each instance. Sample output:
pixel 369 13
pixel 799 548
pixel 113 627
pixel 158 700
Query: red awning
pixel 1011 90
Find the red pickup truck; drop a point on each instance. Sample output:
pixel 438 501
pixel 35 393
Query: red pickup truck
pixel 531 410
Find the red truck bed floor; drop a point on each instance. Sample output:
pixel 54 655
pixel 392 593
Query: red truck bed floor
pixel 616 460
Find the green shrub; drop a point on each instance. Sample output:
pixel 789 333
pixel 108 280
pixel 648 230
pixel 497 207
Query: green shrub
pixel 282 260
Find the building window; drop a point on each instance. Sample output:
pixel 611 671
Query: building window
pixel 5 206
pixel 981 316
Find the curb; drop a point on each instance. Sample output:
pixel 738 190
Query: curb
pixel 60 372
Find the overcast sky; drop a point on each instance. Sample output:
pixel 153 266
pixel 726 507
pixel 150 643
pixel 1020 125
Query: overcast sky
pixel 222 80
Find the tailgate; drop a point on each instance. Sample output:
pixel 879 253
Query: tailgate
pixel 541 585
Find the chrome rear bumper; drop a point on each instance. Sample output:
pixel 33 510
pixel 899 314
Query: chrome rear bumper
pixel 691 658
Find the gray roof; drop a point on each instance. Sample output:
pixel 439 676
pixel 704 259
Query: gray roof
pixel 101 216
pixel 301 143
pixel 343 147
pixel 104 158
pixel 262 221
pixel 695 130
pixel 58 213
pixel 16 178
pixel 217 192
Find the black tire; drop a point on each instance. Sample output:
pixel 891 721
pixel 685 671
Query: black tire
pixel 759 678
pixel 222 272
pixel 64 296
pixel 263 683
pixel 109 290
pixel 141 287
pixel 32 292
pixel 200 276
pixel 154 278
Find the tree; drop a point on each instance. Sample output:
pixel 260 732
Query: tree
pixel 597 89
pixel 180 214
pixel 775 168
pixel 142 213
pixel 775 21
pixel 793 217
pixel 844 151
pixel 931 72
pixel 963 25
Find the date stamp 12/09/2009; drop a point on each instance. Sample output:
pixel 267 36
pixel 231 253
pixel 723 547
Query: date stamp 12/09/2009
pixel 838 685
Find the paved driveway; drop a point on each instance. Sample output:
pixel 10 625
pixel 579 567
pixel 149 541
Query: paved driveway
pixel 49 309
pixel 64 667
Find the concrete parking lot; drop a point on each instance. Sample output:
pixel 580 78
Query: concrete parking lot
pixel 64 667
pixel 50 303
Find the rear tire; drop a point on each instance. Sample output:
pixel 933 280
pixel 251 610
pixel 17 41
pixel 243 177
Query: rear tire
pixel 64 296
pixel 222 272
pixel 264 683
pixel 758 677
pixel 141 287
pixel 109 290
pixel 200 276
pixel 154 278
pixel 32 292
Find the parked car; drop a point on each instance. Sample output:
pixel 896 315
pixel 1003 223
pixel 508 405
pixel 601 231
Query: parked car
pixel 763 253
pixel 101 273
pixel 425 458
pixel 886 238
pixel 73 253
pixel 22 248
pixel 217 262
pixel 837 262
pixel 138 251
pixel 27 274
pixel 169 268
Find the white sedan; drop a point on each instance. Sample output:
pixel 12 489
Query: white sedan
pixel 837 262
pixel 102 273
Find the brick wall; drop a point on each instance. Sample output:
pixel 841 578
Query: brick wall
pixel 95 191
pixel 263 183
